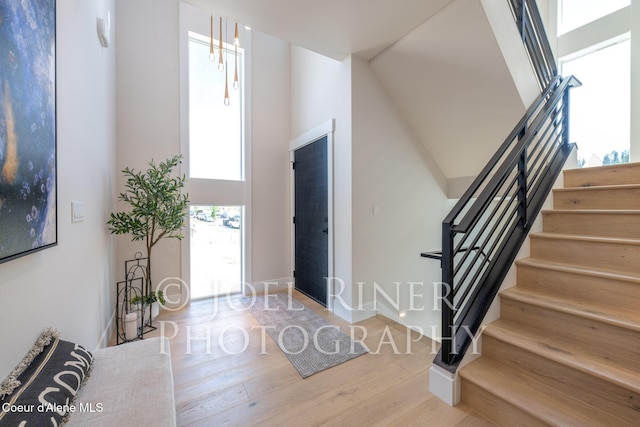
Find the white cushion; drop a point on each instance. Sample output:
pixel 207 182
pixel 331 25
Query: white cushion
pixel 130 385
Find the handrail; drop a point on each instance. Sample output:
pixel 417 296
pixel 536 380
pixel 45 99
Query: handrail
pixel 495 214
pixel 496 221
pixel 534 37
pixel 479 182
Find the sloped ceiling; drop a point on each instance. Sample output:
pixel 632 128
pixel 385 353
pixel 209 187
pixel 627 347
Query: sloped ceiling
pixel 438 60
pixel 334 28
pixel 450 80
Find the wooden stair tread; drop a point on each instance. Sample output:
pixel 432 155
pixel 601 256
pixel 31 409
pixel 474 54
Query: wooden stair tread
pixel 568 268
pixel 540 400
pixel 584 177
pixel 593 211
pixel 568 353
pixel 566 349
pixel 580 238
pixel 616 316
pixel 598 187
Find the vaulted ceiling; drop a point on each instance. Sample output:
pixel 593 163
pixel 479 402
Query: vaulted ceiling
pixel 439 60
pixel 335 28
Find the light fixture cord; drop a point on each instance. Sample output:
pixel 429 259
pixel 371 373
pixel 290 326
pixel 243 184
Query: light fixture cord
pixel 226 71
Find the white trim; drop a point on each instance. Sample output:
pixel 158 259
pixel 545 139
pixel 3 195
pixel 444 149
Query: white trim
pixel 351 315
pixel 325 129
pixel 202 192
pixel 107 332
pixel 444 385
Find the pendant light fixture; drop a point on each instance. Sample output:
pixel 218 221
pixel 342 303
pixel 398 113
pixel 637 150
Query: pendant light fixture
pixel 236 43
pixel 226 74
pixel 220 49
pixel 211 54
pixel 223 55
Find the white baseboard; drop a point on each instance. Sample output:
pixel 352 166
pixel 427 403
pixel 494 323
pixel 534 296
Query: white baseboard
pixel 275 285
pixel 353 315
pixel 445 385
pixel 107 333
pixel 390 314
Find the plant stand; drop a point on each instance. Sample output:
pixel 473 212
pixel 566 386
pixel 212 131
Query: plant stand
pixel 127 312
pixel 136 285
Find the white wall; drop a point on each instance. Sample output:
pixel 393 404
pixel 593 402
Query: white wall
pixel 391 171
pixel 70 286
pixel 321 91
pixel 148 107
pixel 148 73
pixel 270 114
pixel 513 50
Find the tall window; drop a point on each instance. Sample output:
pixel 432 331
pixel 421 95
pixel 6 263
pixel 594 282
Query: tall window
pixel 576 13
pixel 215 129
pixel 600 109
pixel 598 53
pixel 215 140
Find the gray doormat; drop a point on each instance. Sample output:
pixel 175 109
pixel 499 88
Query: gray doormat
pixel 310 342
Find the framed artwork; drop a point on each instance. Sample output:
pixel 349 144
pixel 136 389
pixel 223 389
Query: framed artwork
pixel 28 184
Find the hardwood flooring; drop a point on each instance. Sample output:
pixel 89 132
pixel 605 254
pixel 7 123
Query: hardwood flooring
pixel 228 373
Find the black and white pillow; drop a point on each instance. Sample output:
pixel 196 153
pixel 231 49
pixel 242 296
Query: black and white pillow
pixel 41 389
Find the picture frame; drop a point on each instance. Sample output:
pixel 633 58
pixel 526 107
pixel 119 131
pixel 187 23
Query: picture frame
pixel 28 128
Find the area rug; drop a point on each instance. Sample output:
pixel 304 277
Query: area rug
pixel 310 342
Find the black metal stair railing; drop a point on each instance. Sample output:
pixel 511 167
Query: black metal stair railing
pixel 483 233
pixel 536 42
pixel 481 236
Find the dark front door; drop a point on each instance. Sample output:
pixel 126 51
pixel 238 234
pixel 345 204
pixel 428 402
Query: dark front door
pixel 311 220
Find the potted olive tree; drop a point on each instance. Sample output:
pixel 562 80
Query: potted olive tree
pixel 157 210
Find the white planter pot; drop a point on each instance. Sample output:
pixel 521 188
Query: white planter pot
pixel 155 310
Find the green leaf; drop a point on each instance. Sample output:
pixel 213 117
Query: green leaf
pixel 156 206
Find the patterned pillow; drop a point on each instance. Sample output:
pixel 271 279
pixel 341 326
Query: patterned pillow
pixel 41 389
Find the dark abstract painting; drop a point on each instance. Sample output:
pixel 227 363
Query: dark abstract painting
pixel 28 219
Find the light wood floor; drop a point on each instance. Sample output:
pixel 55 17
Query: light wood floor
pixel 219 382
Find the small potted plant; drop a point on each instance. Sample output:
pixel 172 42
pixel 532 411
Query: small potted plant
pixel 150 300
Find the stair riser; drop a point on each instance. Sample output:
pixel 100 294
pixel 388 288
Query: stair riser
pixel 595 198
pixel 593 224
pixel 610 175
pixel 618 293
pixel 609 341
pixel 616 256
pixel 582 386
pixel 494 408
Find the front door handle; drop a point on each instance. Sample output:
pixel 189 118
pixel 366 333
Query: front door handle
pixel 325 230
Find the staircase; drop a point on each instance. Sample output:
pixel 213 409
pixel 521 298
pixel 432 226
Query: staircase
pixel 566 350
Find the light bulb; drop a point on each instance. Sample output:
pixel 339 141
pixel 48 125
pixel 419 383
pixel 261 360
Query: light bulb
pixel 227 102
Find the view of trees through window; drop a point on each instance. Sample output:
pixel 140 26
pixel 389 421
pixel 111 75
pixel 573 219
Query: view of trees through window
pixel 601 108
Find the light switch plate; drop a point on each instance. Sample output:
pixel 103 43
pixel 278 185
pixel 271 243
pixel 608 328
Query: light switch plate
pixel 77 211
